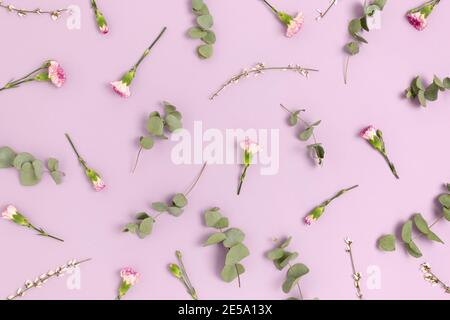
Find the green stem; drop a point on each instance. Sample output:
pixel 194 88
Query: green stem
pixel 391 165
pixel 147 51
pixel 241 180
pixel 43 233
pixel 94 5
pixel 337 195
pixel 137 160
pixel 83 163
pixel 270 6
pixel 192 186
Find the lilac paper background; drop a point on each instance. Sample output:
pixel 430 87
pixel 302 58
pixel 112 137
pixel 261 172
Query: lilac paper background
pixel 105 127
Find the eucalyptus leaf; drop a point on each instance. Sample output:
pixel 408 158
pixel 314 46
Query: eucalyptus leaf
pixel 146 142
pixel 215 238
pixel 230 272
pixel 284 261
pixel 205 21
pixel 53 164
pixel 380 3
pixel 173 122
pixel 275 254
pixel 297 270
pixel 446 83
pixel 446 212
pixel 22 158
pixel 155 126
pixel 419 84
pixel 38 168
pixel 175 211
pixel 160 206
pixel 306 134
pixel 236 254
pixel 421 97
pixel 433 237
pixel 196 33
pixel 233 237
pixel 142 216
pixel 438 82
pixel 407 231
pixel 180 200
pixel 431 92
pixel 352 48
pixel 413 250
pixel 145 227
pixel 27 175
pixel 387 242
pixel 56 176
pixel 222 223
pixel 354 26
pixel 205 51
pixel 212 217
pixel 444 199
pixel 286 243
pixel 209 37
pixel 7 156
pixel 131 227
pixel 197 4
pixel 421 224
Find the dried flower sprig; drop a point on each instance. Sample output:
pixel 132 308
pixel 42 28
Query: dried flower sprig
pixel 13 215
pixel 293 24
pixel 367 22
pixel 43 278
pixel 30 169
pixel 122 87
pixel 203 29
pixel 418 91
pixel 50 71
pixel 306 133
pixel 129 278
pixel 429 276
pixel 417 17
pixel 231 239
pixel 156 124
pixel 356 275
pixel 375 138
pixel 258 69
pixel 143 227
pixel 250 149
pixel 323 13
pixel 91 174
pixel 54 14
pixel 99 18
pixel 282 258
pixel 179 272
pixel 317 212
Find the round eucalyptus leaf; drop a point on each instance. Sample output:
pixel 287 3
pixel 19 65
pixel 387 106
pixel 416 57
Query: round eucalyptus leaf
pixel 146 142
pixel 53 164
pixel 215 238
pixel 236 254
pixel 196 33
pixel 7 156
pixel 155 126
pixel 233 237
pixel 209 37
pixel 56 176
pixel 180 200
pixel 27 175
pixel 145 227
pixel 387 242
pixel 22 158
pixel 205 21
pixel 444 199
pixel 205 51
pixel 230 272
pixel 38 168
pixel 407 231
pixel 173 123
pixel 175 211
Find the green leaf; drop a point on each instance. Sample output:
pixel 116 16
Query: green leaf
pixel 145 227
pixel 446 212
pixel 180 200
pixel 173 122
pixel 297 270
pixel 315 124
pixel 233 237
pixel 175 211
pixel 438 82
pixel 197 4
pixel 22 158
pixel 352 48
pixel 27 175
pixel 168 107
pixel 370 9
pixel 196 33
pixel 205 51
pixel 354 26
pixel 418 83
pixel 421 224
pixel 284 261
pixel 7 156
pixel 142 216
pixel 160 206
pixel 209 37
pixel 275 254
pixel 146 142
pixel 205 21
pixel 433 237
pixel 447 83
pixel 293 118
pixel 444 199
pixel 363 22
pixel 236 254
pixel 131 227
pixel 212 217
pixel 56 176
pixel 176 114
pixel 288 284
pixel 407 231
pixel 387 242
pixel 285 243
pixel 230 272
pixel 215 238
pixel 413 250
pixel 421 97
pixel 38 168
pixel 357 37
pixel 431 92
pixel 306 134
pixel 380 3
pixel 155 126
pixel 222 223
pixel 52 164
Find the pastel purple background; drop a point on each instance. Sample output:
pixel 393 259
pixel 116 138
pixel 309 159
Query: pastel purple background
pixel 105 128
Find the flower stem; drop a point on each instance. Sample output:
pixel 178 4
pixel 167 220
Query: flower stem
pixel 147 51
pixel 346 69
pixel 270 6
pixel 241 180
pixel 137 160
pixel 337 195
pixel 391 165
pixel 41 232
pixel 188 283
pixel 83 163
pixel 196 180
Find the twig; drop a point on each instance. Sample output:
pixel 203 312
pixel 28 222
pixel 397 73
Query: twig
pixel 356 275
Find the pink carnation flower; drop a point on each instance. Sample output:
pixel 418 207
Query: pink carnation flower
pixel 369 133
pixel 417 20
pixel 104 29
pixel 250 146
pixel 121 88
pixel 295 25
pixel 99 185
pixel 129 276
pixel 56 74
pixel 309 220
pixel 9 213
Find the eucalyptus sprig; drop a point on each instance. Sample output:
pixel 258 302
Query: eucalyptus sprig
pixel 231 239
pixel 306 133
pixel 30 169
pixel 156 125
pixel 388 242
pixel 356 26
pixel 318 211
pixel 179 272
pixel 417 90
pixel 203 30
pixel 143 227
pixel 282 258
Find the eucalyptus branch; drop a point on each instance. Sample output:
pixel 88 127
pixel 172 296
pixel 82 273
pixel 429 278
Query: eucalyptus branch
pixel 258 69
pixel 43 278
pixel 356 275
